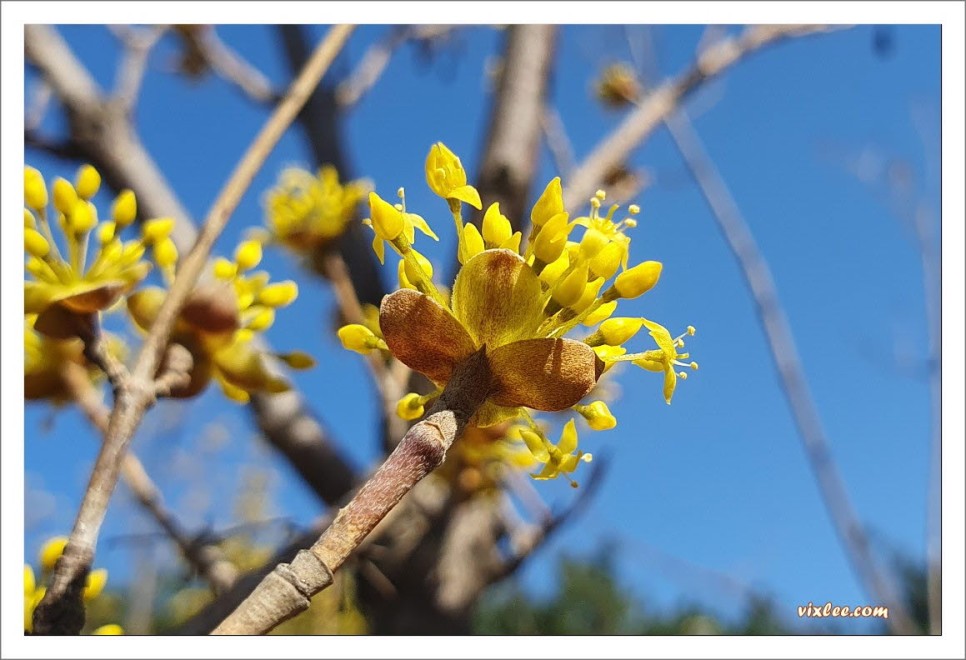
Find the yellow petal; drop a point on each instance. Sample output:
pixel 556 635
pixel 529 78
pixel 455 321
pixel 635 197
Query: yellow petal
pixel 568 438
pixel 536 445
pixel 496 226
pixel 472 243
pixel 549 204
pixel 497 298
pixel 243 366
pixel 423 335
pixel 544 374
pixel 467 194
pixel 490 413
pixel 387 220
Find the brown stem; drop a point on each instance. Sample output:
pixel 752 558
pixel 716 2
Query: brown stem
pixel 61 611
pixel 288 589
pixel 204 559
pixel 785 355
pixel 611 152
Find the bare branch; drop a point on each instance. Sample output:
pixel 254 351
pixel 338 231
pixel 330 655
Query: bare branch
pixel 781 342
pixel 374 62
pixel 206 560
pixel 61 610
pixel 613 151
pixel 288 589
pixel 137 46
pixel 557 141
pixel 40 95
pixel 234 68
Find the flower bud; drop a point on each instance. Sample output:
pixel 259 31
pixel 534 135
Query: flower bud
pixel 472 243
pixel 65 197
pixel 606 262
pixel 568 291
pixel 387 220
pixel 34 188
pixel 601 313
pixel 35 244
pixel 638 280
pixel 598 416
pixel 358 338
pixel 248 255
pixel 156 229
pixel 616 331
pixel 96 581
pixel 88 181
pixel 125 208
pixel 51 552
pixel 552 239
pixel 166 253
pixel 496 226
pixel 279 294
pixel 409 407
pixel 83 217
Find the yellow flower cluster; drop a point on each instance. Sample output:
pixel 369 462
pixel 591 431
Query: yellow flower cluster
pixel 518 303
pixel 63 296
pixel 78 285
pixel 219 322
pixel 306 211
pixel 33 591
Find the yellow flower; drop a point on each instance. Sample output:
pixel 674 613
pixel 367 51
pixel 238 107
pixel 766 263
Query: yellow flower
pixel 109 629
pixel 76 284
pixel 562 458
pixel 394 225
pixel 514 308
pixel 666 357
pixel 306 211
pixel 219 322
pixel 447 178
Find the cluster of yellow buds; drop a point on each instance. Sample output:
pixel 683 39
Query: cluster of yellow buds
pixel 219 322
pixel 64 295
pixel 518 303
pixel 305 212
pixel 79 285
pixel 33 590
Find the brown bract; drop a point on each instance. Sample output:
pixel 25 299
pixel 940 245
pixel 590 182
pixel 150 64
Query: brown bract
pixel 497 305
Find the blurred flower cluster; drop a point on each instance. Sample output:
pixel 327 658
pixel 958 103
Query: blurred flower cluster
pixel 34 590
pixel 69 286
pixel 517 302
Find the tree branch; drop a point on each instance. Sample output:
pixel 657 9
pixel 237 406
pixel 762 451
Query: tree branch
pixel 785 355
pixel 61 610
pixel 206 560
pixel 613 151
pixel 106 138
pixel 288 589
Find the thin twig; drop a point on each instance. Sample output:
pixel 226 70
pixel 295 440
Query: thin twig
pixel 372 65
pixel 235 69
pixel 61 610
pixel 613 150
pixel 205 560
pixel 757 274
pixel 288 589
pixel 137 46
pixel 558 143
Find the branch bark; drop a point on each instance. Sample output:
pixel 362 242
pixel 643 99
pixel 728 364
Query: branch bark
pixel 614 150
pixel 758 277
pixel 61 610
pixel 103 134
pixel 204 559
pixel 288 589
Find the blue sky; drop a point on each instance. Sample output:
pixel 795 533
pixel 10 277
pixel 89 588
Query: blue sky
pixel 719 478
